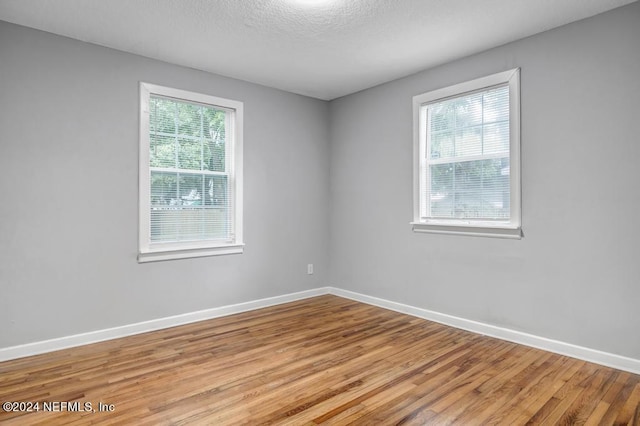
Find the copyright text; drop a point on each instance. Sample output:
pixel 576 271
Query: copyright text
pixel 56 406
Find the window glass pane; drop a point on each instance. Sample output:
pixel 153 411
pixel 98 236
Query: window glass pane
pixel 188 207
pixel 496 104
pixel 471 125
pixel 190 189
pixel 479 124
pixel 442 145
pixel 164 198
pixel 164 189
pixel 495 189
pixel 468 141
pixel 215 133
pixel 496 138
pixel 468 197
pixel 189 154
pixel 214 155
pixel 214 123
pixel 189 119
pixel 163 151
pixel 217 211
pixel 468 110
pixel 217 191
pixel 162 115
pixel 470 189
pixel 164 224
pixel 197 132
pixel 442 190
pixel 215 223
pixel 189 224
pixel 442 116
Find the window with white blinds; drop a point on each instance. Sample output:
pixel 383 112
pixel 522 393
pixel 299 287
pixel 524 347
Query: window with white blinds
pixel 467 177
pixel 190 174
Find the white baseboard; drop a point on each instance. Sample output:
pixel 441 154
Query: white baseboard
pixel 36 348
pixel 603 358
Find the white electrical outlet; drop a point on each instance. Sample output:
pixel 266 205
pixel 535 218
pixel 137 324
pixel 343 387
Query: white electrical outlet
pixel 310 269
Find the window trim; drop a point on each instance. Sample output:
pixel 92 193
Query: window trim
pixel 148 252
pixel 499 229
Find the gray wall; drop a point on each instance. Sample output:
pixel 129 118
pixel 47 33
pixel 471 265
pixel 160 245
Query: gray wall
pixel 68 252
pixel 575 276
pixel 69 176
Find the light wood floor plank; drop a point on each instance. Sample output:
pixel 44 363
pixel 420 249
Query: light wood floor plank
pixel 324 360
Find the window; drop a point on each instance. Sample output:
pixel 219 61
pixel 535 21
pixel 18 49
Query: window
pixel 190 174
pixel 467 158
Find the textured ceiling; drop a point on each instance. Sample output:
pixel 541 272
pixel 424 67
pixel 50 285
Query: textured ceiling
pixel 324 49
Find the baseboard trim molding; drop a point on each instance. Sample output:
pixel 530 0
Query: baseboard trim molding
pixel 36 348
pixel 603 358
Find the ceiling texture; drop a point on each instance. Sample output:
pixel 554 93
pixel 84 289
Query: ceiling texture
pixel 319 48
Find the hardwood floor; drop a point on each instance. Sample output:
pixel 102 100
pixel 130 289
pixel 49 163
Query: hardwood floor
pixel 324 360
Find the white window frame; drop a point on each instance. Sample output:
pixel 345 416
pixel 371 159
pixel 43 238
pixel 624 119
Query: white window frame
pixel 150 252
pixel 511 228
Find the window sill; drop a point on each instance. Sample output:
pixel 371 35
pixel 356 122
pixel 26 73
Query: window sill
pixel 469 229
pixel 156 256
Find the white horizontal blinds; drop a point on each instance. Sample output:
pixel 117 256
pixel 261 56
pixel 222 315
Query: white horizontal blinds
pixel 189 172
pixel 467 157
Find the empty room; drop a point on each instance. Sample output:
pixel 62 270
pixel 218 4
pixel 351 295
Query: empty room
pixel 300 212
